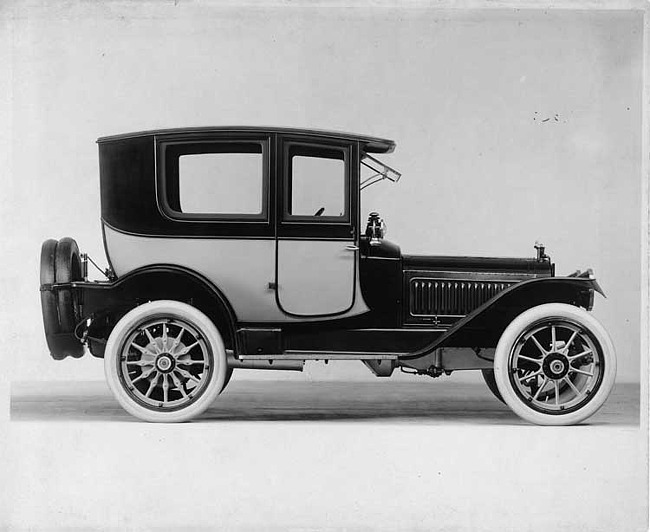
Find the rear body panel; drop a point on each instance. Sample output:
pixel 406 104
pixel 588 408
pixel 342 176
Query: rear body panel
pixel 244 269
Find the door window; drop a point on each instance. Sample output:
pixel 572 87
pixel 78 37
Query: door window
pixel 317 184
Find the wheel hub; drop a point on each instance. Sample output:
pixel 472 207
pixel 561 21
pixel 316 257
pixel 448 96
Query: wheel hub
pixel 165 363
pixel 555 366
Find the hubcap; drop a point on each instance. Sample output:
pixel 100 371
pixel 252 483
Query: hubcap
pixel 556 366
pixel 165 364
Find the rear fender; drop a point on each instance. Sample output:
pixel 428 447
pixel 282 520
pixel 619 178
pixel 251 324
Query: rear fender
pixel 483 327
pixel 108 302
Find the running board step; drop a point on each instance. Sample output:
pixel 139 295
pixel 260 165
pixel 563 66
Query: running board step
pixel 268 364
pixel 315 355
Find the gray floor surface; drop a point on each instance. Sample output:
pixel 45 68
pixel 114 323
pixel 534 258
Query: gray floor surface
pixel 277 455
pixel 425 401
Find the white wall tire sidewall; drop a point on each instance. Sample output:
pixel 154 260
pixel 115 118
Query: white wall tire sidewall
pixel 523 322
pixel 172 309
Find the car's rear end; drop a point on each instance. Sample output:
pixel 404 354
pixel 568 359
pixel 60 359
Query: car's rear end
pixel 61 266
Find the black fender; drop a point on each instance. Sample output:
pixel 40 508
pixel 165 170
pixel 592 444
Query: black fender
pixel 483 327
pixel 108 302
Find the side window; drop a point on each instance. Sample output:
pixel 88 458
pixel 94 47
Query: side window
pixel 317 183
pixel 217 180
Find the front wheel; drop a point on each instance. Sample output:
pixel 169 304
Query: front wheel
pixel 555 365
pixel 165 361
pixel 488 377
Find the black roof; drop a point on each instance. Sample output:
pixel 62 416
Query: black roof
pixel 370 144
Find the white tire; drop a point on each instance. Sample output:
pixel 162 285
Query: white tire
pixel 555 365
pixel 165 361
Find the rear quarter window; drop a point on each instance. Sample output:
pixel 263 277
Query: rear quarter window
pixel 218 180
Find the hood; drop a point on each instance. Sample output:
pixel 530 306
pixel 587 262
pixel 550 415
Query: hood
pixel 478 264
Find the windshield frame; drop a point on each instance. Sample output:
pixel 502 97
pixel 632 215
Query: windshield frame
pixel 382 172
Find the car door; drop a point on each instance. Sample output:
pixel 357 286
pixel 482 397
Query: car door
pixel 317 237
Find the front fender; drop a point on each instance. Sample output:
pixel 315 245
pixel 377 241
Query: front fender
pixel 483 326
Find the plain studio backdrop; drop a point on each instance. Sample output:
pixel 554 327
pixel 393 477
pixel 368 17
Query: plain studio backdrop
pixel 511 126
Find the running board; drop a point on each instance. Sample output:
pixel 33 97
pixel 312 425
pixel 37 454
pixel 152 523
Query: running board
pixel 316 355
pixel 266 364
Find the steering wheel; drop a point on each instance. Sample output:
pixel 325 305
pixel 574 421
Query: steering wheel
pixel 320 211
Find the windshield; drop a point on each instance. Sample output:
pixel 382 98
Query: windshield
pixel 380 171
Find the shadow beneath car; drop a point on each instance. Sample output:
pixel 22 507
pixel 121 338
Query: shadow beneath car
pixel 248 400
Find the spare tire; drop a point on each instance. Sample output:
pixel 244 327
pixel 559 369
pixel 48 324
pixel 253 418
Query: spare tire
pixel 60 263
pixel 48 298
pixel 67 269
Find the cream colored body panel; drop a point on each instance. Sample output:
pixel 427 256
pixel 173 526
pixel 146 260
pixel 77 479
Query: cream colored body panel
pixel 241 268
pixel 315 277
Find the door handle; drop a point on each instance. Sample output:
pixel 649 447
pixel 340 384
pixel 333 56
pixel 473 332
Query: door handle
pixel 351 247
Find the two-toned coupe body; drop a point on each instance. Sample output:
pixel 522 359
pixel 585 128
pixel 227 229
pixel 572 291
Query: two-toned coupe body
pixel 239 247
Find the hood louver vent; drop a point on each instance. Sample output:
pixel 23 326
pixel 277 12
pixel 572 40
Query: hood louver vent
pixel 429 297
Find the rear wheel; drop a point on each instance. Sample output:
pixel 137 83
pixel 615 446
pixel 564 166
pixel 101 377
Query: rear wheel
pixel 555 365
pixel 227 379
pixel 165 361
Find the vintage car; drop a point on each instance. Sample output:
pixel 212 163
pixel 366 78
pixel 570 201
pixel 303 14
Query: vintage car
pixel 244 248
